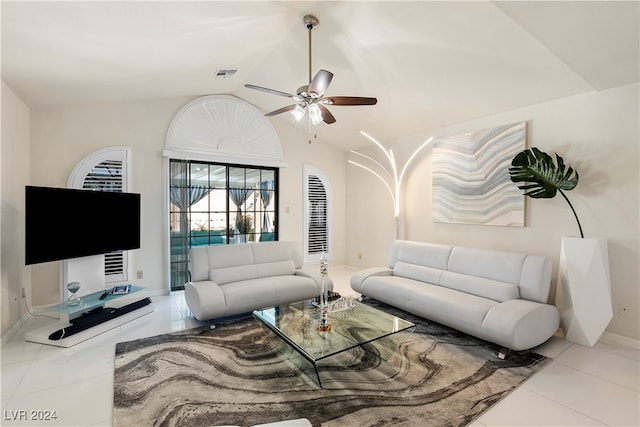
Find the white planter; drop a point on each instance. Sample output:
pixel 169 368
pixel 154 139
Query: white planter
pixel 583 293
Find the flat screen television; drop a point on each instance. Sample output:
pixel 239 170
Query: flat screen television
pixel 62 223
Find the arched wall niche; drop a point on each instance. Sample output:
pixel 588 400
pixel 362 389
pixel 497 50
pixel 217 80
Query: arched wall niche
pixel 223 128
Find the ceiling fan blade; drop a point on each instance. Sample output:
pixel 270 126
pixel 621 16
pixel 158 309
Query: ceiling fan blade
pixel 349 100
pixel 282 110
pixel 271 91
pixel 320 83
pixel 327 117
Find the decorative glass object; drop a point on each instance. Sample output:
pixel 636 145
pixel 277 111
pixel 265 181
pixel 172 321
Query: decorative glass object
pixel 324 296
pixel 73 299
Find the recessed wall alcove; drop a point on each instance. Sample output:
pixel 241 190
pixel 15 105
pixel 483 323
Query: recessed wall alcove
pixel 223 128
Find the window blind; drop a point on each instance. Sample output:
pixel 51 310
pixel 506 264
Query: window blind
pixel 317 216
pixel 107 176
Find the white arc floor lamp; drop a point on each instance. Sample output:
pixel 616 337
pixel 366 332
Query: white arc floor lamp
pixel 392 180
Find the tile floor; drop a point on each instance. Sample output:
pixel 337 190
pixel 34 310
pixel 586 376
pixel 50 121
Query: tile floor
pixel 582 386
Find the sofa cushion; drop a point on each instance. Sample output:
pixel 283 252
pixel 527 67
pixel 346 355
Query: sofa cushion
pixel 276 251
pixel 220 256
pixel 199 264
pixel 225 275
pixel 277 268
pixel 458 310
pixel 251 271
pixel 496 265
pixel 479 286
pixel 270 252
pixel 417 272
pixel 425 254
pixel 394 290
pixel 536 278
pixel 247 295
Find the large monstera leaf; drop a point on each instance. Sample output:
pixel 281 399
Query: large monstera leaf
pixel 544 178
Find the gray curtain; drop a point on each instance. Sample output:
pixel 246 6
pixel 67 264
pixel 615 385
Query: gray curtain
pixel 266 196
pixel 239 196
pixel 183 197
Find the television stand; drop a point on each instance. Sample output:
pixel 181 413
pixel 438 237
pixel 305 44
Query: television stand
pixel 89 319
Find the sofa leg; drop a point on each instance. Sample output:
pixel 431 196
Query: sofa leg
pixel 503 353
pixel 362 298
pixel 211 324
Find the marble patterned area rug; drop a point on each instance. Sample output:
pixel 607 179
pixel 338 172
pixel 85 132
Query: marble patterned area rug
pixel 240 374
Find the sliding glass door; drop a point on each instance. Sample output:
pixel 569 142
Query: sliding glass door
pixel 216 204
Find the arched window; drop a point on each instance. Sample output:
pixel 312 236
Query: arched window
pixel 222 157
pixel 106 170
pixel 318 215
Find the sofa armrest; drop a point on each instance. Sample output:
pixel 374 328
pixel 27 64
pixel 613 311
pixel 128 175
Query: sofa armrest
pixel 317 278
pixel 521 324
pixel 205 299
pixel 358 278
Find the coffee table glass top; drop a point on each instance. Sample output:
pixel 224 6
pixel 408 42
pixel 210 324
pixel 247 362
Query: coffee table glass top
pixel 352 324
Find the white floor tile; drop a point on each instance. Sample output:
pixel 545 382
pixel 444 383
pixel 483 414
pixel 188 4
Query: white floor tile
pixel 12 376
pixel 525 408
pixel 601 400
pixel 626 352
pixel 65 366
pixel 17 350
pixel 553 348
pixel 78 404
pixel 607 366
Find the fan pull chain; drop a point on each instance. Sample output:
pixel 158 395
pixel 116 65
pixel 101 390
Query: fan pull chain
pixel 315 134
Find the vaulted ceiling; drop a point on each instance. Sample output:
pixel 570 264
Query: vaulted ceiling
pixel 430 64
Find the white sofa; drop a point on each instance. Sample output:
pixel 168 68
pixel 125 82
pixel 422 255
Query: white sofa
pixel 234 279
pixel 497 296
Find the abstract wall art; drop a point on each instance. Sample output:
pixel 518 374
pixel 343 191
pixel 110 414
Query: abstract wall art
pixel 470 173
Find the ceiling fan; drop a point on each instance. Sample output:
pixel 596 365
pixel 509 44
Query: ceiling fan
pixel 311 97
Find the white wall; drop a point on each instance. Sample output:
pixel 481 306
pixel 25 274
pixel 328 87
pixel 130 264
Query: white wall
pixel 15 175
pixel 63 136
pixel 331 161
pixel 597 133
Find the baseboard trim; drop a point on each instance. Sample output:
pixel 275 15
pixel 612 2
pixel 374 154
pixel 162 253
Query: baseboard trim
pixel 14 329
pixel 609 338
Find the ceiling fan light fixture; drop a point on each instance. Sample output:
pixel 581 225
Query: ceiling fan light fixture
pixel 315 114
pixel 311 96
pixel 297 113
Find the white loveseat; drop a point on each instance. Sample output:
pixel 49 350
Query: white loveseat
pixel 234 279
pixel 497 296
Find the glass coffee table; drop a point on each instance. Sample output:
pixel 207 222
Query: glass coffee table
pixel 353 325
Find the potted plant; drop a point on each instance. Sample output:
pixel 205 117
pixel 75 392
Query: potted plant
pixel 583 292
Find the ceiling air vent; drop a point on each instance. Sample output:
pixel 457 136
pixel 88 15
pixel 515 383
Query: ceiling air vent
pixel 225 73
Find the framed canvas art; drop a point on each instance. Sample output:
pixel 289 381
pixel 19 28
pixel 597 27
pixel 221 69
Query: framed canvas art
pixel 471 183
